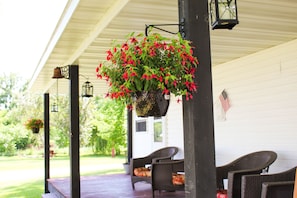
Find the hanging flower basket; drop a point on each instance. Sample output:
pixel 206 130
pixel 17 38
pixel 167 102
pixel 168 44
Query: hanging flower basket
pixel 149 63
pixel 34 125
pixel 151 103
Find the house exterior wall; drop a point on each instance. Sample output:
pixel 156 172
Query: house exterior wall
pixel 143 142
pixel 174 125
pixel 262 89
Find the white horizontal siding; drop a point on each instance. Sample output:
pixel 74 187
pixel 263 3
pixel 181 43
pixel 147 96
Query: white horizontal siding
pixel 263 94
pixel 175 135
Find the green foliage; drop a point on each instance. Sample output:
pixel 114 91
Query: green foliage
pixel 109 124
pixel 99 145
pixel 12 138
pixel 59 122
pixel 102 124
pixel 11 89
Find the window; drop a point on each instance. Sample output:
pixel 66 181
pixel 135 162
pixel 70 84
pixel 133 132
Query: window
pixel 158 132
pixel 140 125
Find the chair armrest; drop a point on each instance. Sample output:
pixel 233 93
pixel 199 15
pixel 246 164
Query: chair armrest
pixel 234 181
pixel 282 189
pixel 251 185
pixel 140 162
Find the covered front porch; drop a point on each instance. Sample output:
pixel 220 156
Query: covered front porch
pixel 111 186
pixel 252 63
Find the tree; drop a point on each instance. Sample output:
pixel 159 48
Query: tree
pixel 11 88
pixel 102 121
pixel 109 124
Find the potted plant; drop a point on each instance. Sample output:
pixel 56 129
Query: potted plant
pixel 142 67
pixel 34 124
pixel 126 166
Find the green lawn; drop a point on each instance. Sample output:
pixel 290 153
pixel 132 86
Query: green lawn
pixel 23 177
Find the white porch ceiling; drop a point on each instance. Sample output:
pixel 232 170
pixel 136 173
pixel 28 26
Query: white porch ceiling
pixel 87 27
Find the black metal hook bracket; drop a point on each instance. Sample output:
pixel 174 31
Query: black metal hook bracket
pixel 181 26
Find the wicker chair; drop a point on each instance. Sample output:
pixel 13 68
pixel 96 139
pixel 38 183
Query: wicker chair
pixel 161 154
pixel 278 185
pixel 162 175
pixel 253 163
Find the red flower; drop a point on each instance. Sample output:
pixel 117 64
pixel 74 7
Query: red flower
pixel 146 77
pixel 125 76
pixel 99 76
pixel 133 40
pixel 160 79
pixel 166 91
pixel 174 83
pixel 191 86
pixel 125 46
pixel 133 74
pixel 109 55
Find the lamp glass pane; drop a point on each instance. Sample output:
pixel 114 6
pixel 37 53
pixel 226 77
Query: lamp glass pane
pixel 227 9
pixel 212 11
pixel 54 107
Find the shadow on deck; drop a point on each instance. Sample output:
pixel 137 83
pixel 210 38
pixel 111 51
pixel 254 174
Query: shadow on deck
pixel 107 186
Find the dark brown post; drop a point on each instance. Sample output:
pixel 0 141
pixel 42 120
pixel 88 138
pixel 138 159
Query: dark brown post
pixel 74 131
pixel 46 142
pixel 129 135
pixel 198 113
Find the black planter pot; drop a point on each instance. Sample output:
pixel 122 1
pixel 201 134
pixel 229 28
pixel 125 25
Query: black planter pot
pixel 151 103
pixel 35 130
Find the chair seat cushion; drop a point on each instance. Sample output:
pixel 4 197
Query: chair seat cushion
pixel 142 172
pixel 178 179
pixel 222 194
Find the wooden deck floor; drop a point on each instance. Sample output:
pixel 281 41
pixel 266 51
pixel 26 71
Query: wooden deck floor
pixel 108 186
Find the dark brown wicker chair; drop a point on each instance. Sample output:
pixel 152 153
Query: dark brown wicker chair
pixel 253 163
pixel 161 154
pixel 278 185
pixel 162 175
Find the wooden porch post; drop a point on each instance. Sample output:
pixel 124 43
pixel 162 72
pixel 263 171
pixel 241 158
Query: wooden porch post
pixel 198 113
pixel 46 142
pixel 74 131
pixel 129 135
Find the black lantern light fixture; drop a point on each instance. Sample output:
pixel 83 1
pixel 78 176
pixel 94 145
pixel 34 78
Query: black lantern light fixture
pixel 54 107
pixel 223 14
pixel 87 90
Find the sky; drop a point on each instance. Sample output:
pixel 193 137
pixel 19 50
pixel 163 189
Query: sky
pixel 25 29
